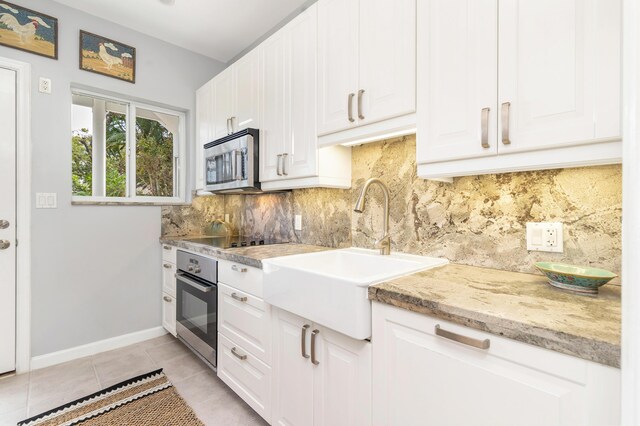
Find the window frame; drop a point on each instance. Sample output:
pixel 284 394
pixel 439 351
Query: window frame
pixel 179 162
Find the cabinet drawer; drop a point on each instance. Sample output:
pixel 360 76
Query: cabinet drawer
pixel 511 351
pixel 169 313
pixel 246 319
pixel 168 278
pixel 168 253
pixel 244 278
pixel 246 375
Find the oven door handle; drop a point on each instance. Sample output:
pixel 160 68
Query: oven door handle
pixel 203 288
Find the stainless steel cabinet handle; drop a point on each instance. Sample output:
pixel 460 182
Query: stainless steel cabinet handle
pixel 284 164
pixel 476 343
pixel 350 107
pixel 303 341
pixel 166 298
pixel 505 123
pixel 239 298
pixel 4 224
pixel 4 244
pixel 228 131
pixel 167 247
pixel 314 361
pixel 360 93
pixel 231 120
pixel 235 268
pixel 484 125
pixel 237 355
pixel 166 265
pixel 279 160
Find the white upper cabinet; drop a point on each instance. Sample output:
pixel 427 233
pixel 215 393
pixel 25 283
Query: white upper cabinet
pixel 246 75
pixel 458 87
pixel 387 68
pixel 223 103
pixel 205 128
pixel 337 64
pixel 561 78
pixel 367 66
pixel 289 154
pixel 548 71
pixel 237 96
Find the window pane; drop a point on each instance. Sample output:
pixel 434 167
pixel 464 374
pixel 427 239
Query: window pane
pixel 155 153
pixel 99 147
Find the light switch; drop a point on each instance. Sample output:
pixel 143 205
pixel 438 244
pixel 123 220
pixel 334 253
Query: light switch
pixel 545 236
pixel 46 200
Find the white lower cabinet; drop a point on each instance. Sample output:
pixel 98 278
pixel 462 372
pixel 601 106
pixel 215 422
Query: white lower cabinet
pixel 421 378
pixel 249 377
pixel 320 377
pixel 169 313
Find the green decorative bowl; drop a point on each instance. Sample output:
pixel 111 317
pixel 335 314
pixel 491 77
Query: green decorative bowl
pixel 575 278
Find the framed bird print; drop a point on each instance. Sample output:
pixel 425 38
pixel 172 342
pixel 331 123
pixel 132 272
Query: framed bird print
pixel 28 30
pixel 107 57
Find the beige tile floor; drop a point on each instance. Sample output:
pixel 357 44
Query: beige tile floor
pixel 214 402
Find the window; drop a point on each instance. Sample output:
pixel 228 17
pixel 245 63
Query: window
pixel 125 151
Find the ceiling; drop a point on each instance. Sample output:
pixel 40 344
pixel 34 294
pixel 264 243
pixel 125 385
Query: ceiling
pixel 219 29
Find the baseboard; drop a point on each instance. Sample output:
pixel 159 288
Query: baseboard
pixel 47 360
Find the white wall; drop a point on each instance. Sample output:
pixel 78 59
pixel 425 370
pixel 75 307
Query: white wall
pixel 96 269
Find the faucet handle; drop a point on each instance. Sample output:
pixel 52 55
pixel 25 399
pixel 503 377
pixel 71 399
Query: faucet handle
pixel 384 244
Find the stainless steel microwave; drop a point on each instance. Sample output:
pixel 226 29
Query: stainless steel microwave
pixel 231 163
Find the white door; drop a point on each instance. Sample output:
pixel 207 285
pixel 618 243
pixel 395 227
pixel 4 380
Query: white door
pixel 457 79
pixel 301 146
pixel 292 372
pixel 247 91
pixel 559 69
pixel 337 64
pixel 342 380
pixel 7 220
pixel 272 109
pixel 223 103
pixel 387 83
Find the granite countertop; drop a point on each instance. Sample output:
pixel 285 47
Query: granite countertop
pixel 250 256
pixel 519 306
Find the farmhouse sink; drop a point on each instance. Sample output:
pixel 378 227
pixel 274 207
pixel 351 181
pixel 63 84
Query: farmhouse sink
pixel 330 287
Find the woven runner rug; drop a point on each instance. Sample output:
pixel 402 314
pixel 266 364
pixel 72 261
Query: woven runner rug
pixel 146 400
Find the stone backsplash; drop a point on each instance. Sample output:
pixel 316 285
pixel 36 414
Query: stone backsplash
pixel 476 220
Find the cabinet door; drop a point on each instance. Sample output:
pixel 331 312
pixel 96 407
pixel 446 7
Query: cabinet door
pixel 223 102
pixel 169 313
pixel 342 380
pixel 204 129
pixel 559 69
pixel 301 146
pixel 246 97
pixel 457 79
pixel 272 133
pixel 387 59
pixel 292 373
pixel 421 378
pixel 337 64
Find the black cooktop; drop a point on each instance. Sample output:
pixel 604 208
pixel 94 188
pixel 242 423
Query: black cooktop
pixel 233 242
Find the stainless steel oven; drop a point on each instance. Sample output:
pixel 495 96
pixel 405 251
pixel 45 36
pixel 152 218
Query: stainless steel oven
pixel 197 304
pixel 231 163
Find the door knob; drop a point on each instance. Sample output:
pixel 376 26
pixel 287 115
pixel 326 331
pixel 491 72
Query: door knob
pixel 4 224
pixel 4 244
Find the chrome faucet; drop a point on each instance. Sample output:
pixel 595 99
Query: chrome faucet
pixel 384 243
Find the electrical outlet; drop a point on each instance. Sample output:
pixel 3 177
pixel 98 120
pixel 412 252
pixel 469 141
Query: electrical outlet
pixel 297 223
pixel 545 236
pixel 226 217
pixel 45 85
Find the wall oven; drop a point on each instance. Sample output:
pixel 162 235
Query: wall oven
pixel 197 304
pixel 231 164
